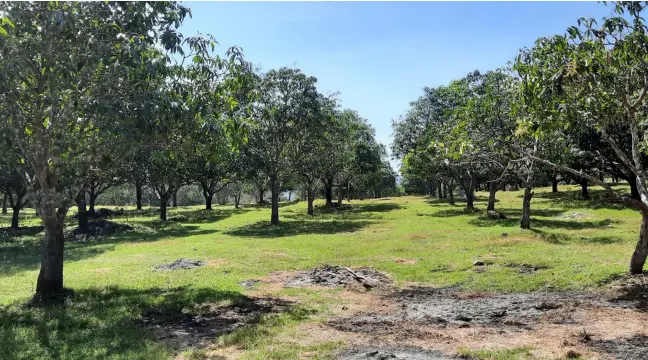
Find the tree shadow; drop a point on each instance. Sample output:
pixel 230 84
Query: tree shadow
pixel 22 251
pixel 264 229
pixel 543 223
pixel 459 211
pixel 345 211
pixel 564 239
pixel 599 199
pixel 127 323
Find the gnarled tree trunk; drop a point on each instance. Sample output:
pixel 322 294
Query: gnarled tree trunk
pixel 4 204
pixel 440 189
pixel 450 194
pixel 310 200
pixel 15 217
pixel 554 183
pixel 175 199
pixel 525 222
pixel 641 250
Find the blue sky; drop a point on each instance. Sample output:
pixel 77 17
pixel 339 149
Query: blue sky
pixel 379 55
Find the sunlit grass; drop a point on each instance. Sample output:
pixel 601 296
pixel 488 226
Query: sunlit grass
pixel 414 239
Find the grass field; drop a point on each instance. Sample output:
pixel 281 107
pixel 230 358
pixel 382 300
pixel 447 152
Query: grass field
pixel 413 239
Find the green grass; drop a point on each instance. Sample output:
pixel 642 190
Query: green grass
pixel 114 282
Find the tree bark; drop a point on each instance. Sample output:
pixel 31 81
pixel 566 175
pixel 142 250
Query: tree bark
pixel 641 250
pixel 554 183
pixel 15 217
pixel 634 191
pixel 310 202
pixel 261 196
pixel 208 199
pixel 175 199
pixel 82 214
pixel 328 190
pixel 525 222
pixel 163 208
pixel 237 199
pixel 440 189
pixel 584 190
pixel 138 195
pixel 49 285
pixel 274 216
pixel 450 194
pixel 492 190
pixel 91 203
pixel 339 195
pixel 4 204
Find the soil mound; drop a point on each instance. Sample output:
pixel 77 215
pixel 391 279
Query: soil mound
pixel 181 264
pixel 102 227
pixel 391 352
pixel 341 276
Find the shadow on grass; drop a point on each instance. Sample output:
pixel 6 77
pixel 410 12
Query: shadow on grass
pixel 599 199
pixel 119 323
pixel 564 239
pixel 345 211
pixel 297 227
pixel 21 251
pixel 543 223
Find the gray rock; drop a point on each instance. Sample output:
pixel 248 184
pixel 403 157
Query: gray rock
pixel 478 263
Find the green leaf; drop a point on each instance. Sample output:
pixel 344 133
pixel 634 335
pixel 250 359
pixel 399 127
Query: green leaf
pixel 3 31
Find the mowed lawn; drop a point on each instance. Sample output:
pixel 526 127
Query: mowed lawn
pixel 414 239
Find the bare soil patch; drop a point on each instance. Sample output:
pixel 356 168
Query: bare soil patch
pixel 554 324
pixel 181 264
pixel 391 352
pixel 340 276
pixel 198 328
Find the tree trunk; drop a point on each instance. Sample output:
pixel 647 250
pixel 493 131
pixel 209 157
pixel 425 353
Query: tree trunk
pixel 175 199
pixel 310 202
pixel 49 285
pixel 328 190
pixel 274 216
pixel 208 199
pixel 4 204
pixel 15 217
pixel 641 250
pixel 554 183
pixel 450 194
pixel 138 195
pixel 584 189
pixel 634 191
pixel 237 199
pixel 91 203
pixel 261 196
pixel 470 199
pixel 163 208
pixel 339 195
pixel 440 189
pixel 433 188
pixel 525 222
pixel 492 190
pixel 82 214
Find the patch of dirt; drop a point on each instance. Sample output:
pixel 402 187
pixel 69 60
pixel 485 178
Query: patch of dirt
pixel 405 261
pixel 340 276
pixel 101 270
pixel 181 264
pixel 248 283
pixel 99 228
pixel 574 216
pixel 632 348
pixel 527 269
pixel 390 352
pixel 198 328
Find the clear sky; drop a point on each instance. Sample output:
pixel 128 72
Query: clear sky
pixel 379 55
